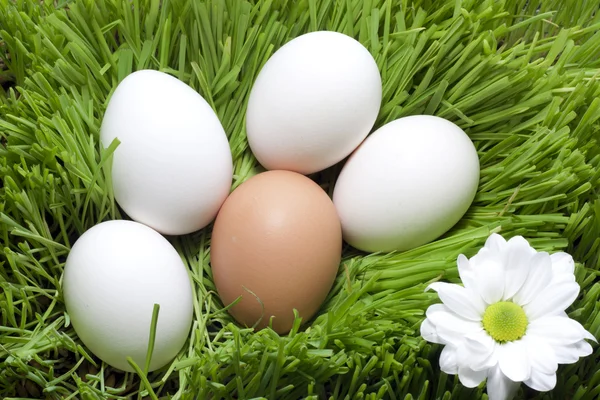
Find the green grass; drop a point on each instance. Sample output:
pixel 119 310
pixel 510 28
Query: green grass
pixel 519 76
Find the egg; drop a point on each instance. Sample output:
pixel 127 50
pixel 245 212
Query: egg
pixel 276 243
pixel 173 168
pixel 114 274
pixel 407 184
pixel 313 102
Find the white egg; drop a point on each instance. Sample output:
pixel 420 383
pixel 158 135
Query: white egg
pixel 173 168
pixel 313 102
pixel 114 274
pixel 407 184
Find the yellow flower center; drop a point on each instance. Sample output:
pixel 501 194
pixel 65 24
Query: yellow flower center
pixel 505 321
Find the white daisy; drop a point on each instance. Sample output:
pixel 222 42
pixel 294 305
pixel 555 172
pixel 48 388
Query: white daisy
pixel 508 323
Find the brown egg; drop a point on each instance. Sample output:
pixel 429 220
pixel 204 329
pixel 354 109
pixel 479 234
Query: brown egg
pixel 276 242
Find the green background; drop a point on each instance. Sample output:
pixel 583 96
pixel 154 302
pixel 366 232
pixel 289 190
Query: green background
pixel 520 77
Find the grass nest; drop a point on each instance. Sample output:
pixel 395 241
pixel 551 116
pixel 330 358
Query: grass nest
pixel 519 76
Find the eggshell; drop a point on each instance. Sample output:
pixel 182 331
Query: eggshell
pixel 407 184
pixel 276 243
pixel 173 168
pixel 313 102
pixel 114 274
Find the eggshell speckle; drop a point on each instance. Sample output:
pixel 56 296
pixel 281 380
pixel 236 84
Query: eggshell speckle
pixel 114 274
pixel 173 167
pixel 407 184
pixel 277 243
pixel 313 102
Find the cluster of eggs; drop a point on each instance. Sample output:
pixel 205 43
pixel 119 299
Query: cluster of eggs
pixel 277 239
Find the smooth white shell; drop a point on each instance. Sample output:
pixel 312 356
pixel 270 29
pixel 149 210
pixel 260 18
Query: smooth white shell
pixel 313 102
pixel 407 184
pixel 114 274
pixel 173 168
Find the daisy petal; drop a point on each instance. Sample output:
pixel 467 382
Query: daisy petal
pixel 448 360
pixel 470 378
pixel 443 318
pixel 458 299
pixel 429 332
pixel 489 276
pixel 495 243
pixel 514 361
pixel 465 271
pixel 567 354
pixel 541 355
pixel 541 382
pixel 522 243
pixel 557 330
pixel 539 276
pixel 477 351
pixel 519 254
pixel 583 348
pixel 499 386
pixel 450 337
pixel 584 332
pixel 552 300
pixel 588 335
pixel 570 353
pixel 450 328
pixel 562 263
